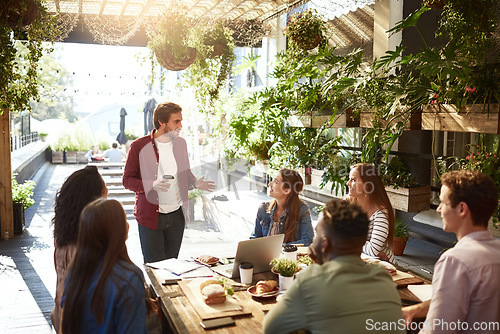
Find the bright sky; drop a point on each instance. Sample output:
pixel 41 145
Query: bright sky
pixel 104 74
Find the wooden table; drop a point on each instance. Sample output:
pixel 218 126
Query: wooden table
pixel 183 318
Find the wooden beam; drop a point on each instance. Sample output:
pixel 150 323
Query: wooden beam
pixel 124 8
pixel 103 5
pixel 6 218
pixel 230 9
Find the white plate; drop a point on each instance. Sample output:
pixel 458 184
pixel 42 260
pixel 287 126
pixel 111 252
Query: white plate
pixel 252 291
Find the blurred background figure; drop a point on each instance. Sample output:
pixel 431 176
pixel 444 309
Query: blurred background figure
pixel 114 154
pixel 94 154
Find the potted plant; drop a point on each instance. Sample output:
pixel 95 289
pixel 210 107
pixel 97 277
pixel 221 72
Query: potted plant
pixel 169 40
pixel 306 30
pixel 43 136
pixel 57 149
pixel 22 199
pixel 457 85
pixel 131 136
pixel 286 269
pixel 401 235
pixel 193 196
pixel 403 190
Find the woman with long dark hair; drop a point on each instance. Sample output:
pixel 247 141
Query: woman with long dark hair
pixel 79 189
pixel 368 191
pixel 286 213
pixel 105 292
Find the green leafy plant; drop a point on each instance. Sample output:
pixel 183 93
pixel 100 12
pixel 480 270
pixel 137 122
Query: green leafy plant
pixel 23 193
pixel 463 71
pixel 172 31
pixel 401 229
pixel 306 29
pixel 480 159
pixel 227 286
pixel 210 71
pixel 18 79
pixel 130 135
pixel 306 259
pixel 396 174
pixel 285 267
pixel 195 194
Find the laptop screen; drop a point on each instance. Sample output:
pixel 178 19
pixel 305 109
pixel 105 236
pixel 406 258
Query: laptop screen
pixel 259 252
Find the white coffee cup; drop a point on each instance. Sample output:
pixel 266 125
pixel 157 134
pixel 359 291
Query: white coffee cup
pixel 246 273
pixel 290 252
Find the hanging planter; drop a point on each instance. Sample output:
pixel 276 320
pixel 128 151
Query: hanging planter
pixel 18 13
pixel 306 30
pixel 166 59
pixel 169 40
pixel 478 118
pixel 411 122
pixel 309 44
pixel 315 119
pixel 410 199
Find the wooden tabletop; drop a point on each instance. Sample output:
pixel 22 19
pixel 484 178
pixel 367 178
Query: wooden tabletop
pixel 183 317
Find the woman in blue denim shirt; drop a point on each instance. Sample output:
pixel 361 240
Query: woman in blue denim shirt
pixel 104 292
pixel 287 213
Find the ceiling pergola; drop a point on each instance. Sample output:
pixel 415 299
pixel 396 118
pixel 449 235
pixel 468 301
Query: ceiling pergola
pixel 203 9
pixel 116 21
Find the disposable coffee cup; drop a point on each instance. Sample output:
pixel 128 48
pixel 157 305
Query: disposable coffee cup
pixel 290 252
pixel 246 273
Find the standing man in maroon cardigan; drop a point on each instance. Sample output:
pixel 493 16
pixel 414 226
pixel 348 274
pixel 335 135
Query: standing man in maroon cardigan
pixel 158 171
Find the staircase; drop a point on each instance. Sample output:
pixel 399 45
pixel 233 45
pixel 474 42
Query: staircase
pixel 112 173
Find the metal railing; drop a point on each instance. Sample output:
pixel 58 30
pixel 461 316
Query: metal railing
pixel 16 142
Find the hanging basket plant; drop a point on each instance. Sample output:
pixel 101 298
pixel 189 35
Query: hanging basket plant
pixel 165 57
pixel 18 13
pixel 170 40
pixel 212 68
pixel 218 39
pixel 306 30
pixel 248 32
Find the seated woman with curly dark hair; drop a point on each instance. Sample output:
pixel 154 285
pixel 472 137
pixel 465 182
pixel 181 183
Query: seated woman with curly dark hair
pixel 79 189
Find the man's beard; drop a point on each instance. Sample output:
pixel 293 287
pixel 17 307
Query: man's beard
pixel 318 253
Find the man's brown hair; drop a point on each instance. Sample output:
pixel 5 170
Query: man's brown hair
pixel 475 189
pixel 163 111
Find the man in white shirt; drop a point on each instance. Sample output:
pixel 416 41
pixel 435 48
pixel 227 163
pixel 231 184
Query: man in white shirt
pixel 465 292
pixel 158 171
pixel 114 154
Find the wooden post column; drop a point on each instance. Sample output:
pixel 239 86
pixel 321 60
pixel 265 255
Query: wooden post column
pixel 6 215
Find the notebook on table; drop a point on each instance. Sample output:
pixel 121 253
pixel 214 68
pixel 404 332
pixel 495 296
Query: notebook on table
pixel 259 252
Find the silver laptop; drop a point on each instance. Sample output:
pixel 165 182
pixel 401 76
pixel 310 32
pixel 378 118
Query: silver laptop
pixel 259 252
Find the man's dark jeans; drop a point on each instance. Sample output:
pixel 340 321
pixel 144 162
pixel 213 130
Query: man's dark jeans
pixel 165 242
